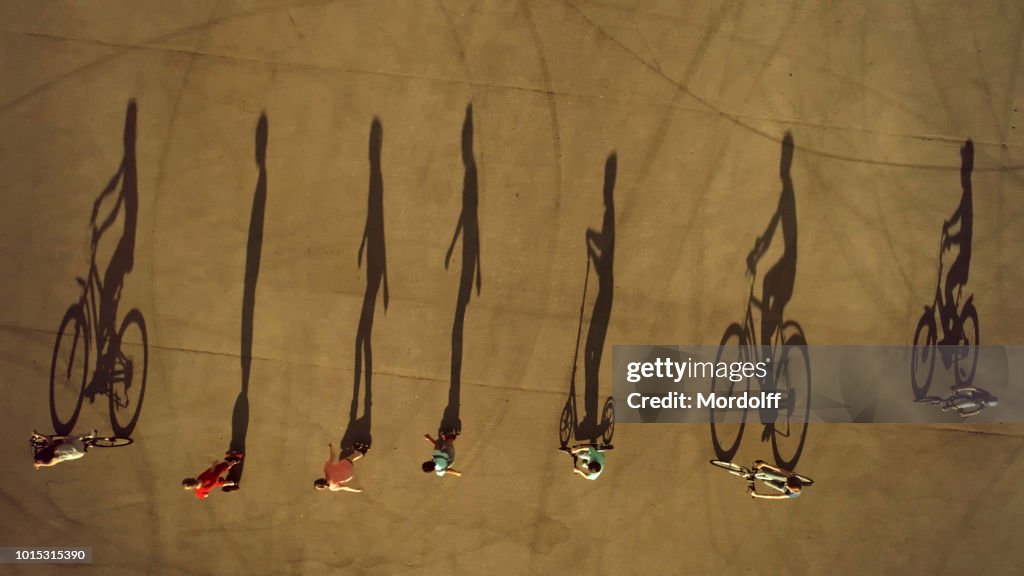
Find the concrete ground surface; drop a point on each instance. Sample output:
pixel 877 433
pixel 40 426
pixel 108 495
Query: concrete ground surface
pixel 692 98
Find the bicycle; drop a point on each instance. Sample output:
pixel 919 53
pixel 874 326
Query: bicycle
pixel 40 441
pixel 963 355
pixel 120 372
pixel 749 475
pixel 969 401
pixel 791 374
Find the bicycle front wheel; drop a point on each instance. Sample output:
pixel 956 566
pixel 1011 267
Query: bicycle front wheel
pixel 794 381
pixel 967 348
pixel 69 370
pixel 566 423
pixel 733 468
pixel 111 442
pixel 128 377
pixel 608 420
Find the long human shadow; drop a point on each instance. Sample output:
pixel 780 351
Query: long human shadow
pixel 776 291
pixel 790 371
pixel 963 217
pixel 240 414
pixel 122 261
pixel 786 437
pixel 469 226
pixel 125 360
pixel 601 253
pixel 358 429
pixel 778 281
pixel 957 316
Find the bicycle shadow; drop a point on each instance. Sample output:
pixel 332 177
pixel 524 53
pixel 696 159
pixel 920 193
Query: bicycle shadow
pixel 254 249
pixel 358 429
pixel 776 291
pixel 113 375
pixel 957 317
pixel 469 226
pixel 595 423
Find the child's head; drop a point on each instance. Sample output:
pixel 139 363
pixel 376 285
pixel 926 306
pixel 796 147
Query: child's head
pixel 45 456
pixel 190 483
pixel 320 484
pixel 428 466
pixel 594 467
pixel 794 484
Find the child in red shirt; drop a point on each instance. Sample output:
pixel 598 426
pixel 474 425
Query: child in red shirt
pixel 212 477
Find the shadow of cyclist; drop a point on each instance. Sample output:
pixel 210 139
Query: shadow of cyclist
pixel 240 414
pixel 601 252
pixel 963 221
pixel 123 259
pixel 778 282
pixel 469 226
pixel 358 430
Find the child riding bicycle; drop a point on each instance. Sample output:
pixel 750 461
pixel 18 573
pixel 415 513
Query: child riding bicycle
pixel 57 449
pixel 786 483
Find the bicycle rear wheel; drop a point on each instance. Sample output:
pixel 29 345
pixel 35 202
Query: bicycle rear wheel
pixel 128 377
pixel 727 426
pixel 69 370
pixel 111 442
pixel 741 471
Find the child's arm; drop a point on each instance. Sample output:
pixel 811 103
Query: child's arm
pixel 755 494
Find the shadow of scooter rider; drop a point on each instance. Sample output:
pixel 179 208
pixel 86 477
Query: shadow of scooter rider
pixel 601 251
